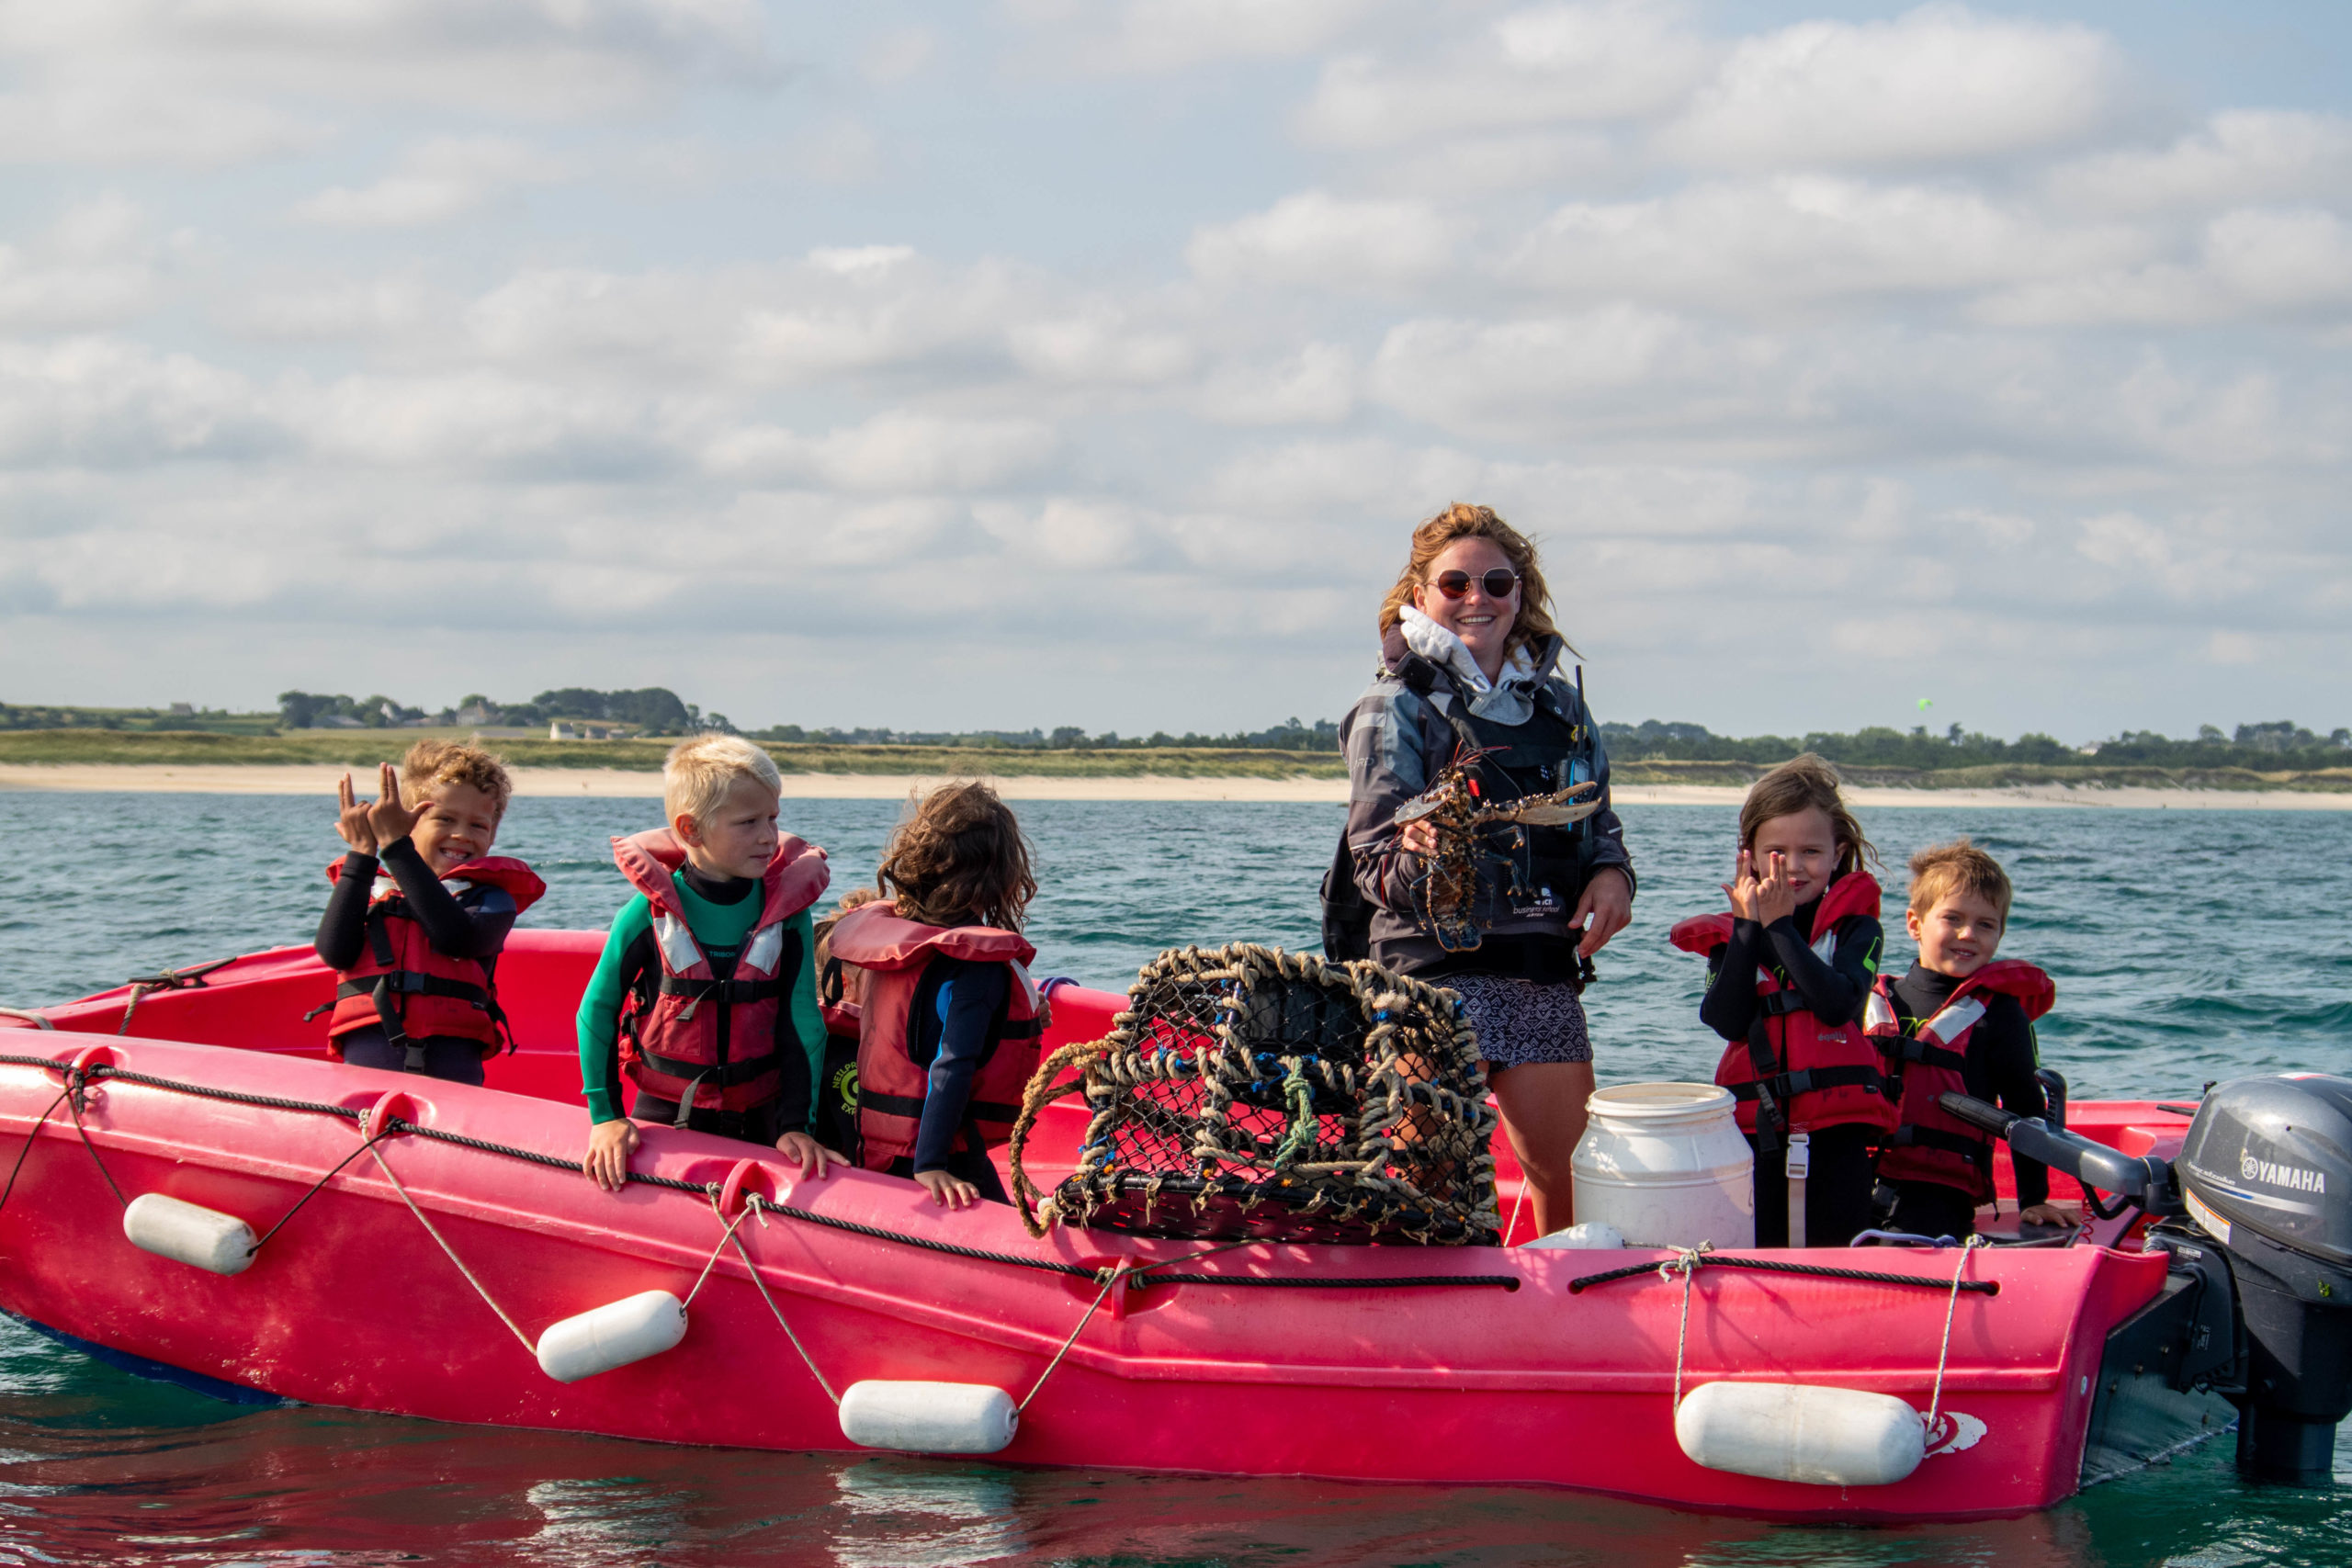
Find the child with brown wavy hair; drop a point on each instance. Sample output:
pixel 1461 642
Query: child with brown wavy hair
pixel 948 1032
pixel 1789 969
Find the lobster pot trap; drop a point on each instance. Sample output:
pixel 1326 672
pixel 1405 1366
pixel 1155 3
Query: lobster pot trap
pixel 1250 1092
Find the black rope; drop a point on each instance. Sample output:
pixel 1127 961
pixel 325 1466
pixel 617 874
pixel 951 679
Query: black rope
pixel 1341 1282
pixel 1775 1266
pixel 311 1107
pixel 30 1137
pixel 367 1143
pixel 705 1191
pixel 74 1083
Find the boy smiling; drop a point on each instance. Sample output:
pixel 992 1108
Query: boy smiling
pixel 1960 1021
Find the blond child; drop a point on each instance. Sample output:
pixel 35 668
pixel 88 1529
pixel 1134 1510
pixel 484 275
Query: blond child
pixel 419 913
pixel 705 998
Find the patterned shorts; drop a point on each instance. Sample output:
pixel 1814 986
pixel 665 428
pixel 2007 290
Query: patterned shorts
pixel 1522 1021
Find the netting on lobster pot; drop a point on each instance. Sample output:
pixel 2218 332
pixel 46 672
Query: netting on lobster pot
pixel 1251 1092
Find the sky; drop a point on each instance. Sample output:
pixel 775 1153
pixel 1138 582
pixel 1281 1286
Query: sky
pixel 1044 363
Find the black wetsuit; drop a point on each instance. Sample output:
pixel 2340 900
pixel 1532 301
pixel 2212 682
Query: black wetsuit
pixel 1838 1191
pixel 2002 1059
pixel 472 924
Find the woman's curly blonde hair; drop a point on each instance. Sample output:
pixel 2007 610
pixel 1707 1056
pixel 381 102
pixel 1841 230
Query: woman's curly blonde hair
pixel 959 859
pixel 1463 521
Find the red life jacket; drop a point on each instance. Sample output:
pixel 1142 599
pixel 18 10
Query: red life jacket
pixel 1815 1075
pixel 413 992
pixel 1928 1144
pixel 891 1083
pixel 697 1040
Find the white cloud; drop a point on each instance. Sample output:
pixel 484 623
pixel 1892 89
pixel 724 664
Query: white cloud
pixel 95 266
pixel 438 180
pixel 1806 237
pixel 2241 157
pixel 1316 386
pixel 1621 60
pixel 1937 84
pixel 1315 239
pixel 1154 36
pixel 891 452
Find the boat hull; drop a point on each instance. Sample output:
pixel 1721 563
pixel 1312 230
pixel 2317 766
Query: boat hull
pixel 1485 1369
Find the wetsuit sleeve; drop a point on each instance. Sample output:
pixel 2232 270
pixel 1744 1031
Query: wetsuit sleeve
pixel 343 929
pixel 1729 1006
pixel 970 998
pixel 802 1049
pixel 476 928
pixel 2004 1043
pixel 600 1008
pixel 1833 992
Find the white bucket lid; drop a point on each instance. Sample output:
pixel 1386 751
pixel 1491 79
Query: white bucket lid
pixel 1660 1101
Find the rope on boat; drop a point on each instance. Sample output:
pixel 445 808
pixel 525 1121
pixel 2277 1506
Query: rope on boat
pixel 313 1193
pixel 1686 1262
pixel 29 1139
pixel 39 1020
pixel 190 979
pixel 1944 1354
pixel 75 1085
pixel 82 1077
pixel 755 1204
pixel 1775 1266
pixel 529 1348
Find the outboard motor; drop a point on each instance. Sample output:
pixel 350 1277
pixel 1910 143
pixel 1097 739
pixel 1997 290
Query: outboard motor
pixel 2266 1171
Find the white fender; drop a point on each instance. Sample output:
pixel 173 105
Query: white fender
pixel 1787 1431
pixel 929 1417
pixel 611 1336
pixel 1593 1235
pixel 187 1232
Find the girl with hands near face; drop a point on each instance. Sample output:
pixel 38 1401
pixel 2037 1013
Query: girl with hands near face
pixel 1789 967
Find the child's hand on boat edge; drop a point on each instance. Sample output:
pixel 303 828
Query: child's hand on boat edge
pixel 610 1144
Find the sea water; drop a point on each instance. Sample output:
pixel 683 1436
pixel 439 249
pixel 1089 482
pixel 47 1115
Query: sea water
pixel 2188 946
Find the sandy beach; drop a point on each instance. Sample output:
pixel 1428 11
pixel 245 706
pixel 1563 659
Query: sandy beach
pixel 618 783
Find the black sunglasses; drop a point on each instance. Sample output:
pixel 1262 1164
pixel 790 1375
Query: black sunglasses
pixel 1499 583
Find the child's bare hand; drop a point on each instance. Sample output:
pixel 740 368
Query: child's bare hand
pixel 351 819
pixel 1741 888
pixel 2049 1214
pixel 1775 899
pixel 952 1190
pixel 390 819
pixel 610 1146
pixel 806 1152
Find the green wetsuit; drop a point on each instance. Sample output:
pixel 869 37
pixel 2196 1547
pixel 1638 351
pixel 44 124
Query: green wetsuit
pixel 720 929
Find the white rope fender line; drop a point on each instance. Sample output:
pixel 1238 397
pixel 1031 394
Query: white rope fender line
pixel 1952 1306
pixel 1687 1263
pixel 379 1157
pixel 753 1203
pixel 1111 1277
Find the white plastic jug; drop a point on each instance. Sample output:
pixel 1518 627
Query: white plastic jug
pixel 1665 1164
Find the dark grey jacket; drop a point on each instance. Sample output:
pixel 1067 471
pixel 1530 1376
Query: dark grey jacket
pixel 1397 740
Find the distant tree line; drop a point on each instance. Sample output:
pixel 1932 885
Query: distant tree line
pixel 1289 736
pixel 652 710
pixel 2278 746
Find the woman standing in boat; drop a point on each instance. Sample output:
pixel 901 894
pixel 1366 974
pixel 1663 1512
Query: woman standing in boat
pixel 1469 671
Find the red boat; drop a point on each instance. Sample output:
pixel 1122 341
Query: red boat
pixel 417 1240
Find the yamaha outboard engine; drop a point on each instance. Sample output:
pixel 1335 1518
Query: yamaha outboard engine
pixel 2266 1171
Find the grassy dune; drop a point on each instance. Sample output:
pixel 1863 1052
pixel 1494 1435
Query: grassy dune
pixel 366 748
